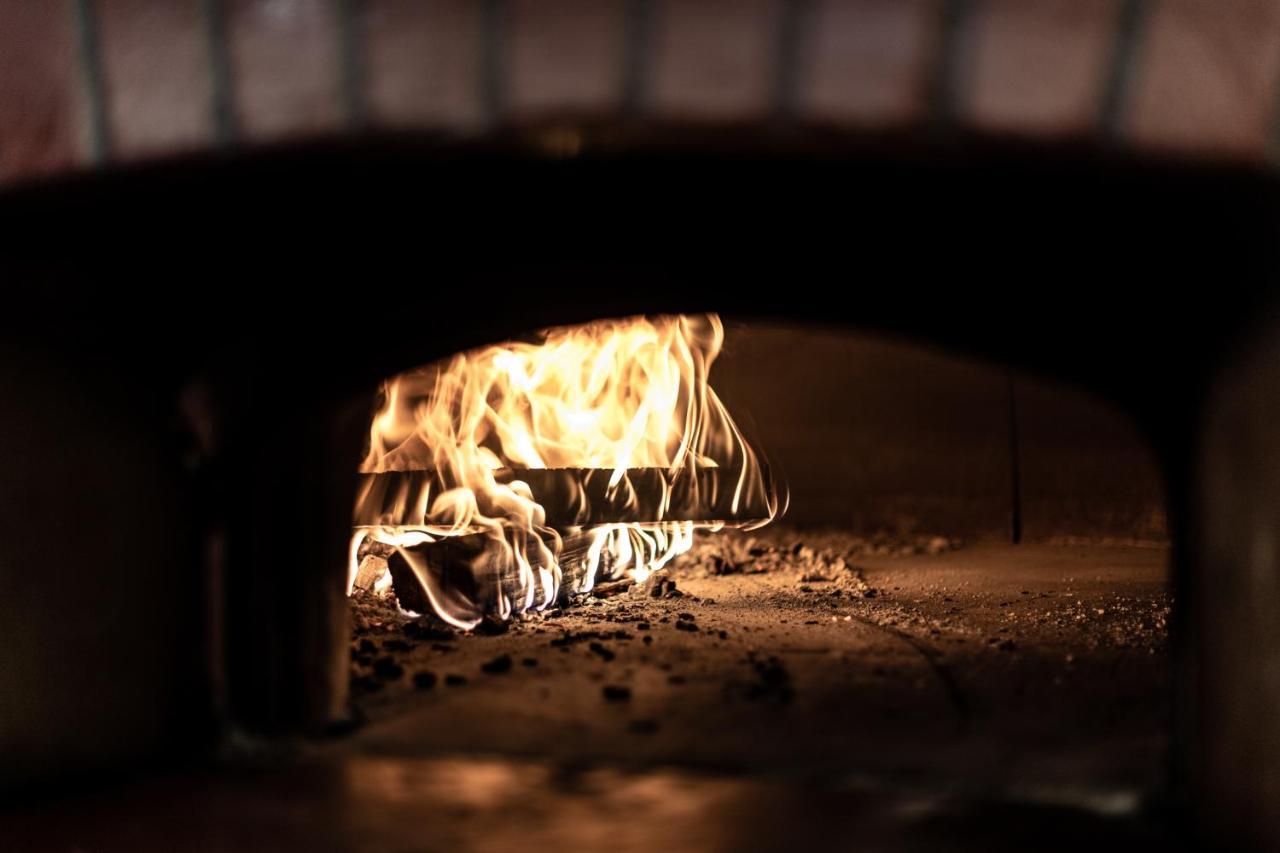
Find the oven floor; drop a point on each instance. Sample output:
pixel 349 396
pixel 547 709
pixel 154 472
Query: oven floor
pixel 996 668
pixel 988 698
pixel 396 805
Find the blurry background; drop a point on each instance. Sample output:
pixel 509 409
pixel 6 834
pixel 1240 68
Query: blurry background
pixel 88 81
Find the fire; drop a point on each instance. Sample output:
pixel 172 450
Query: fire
pixel 590 453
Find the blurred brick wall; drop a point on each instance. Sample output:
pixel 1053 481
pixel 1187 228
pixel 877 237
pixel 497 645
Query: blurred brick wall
pixel 89 81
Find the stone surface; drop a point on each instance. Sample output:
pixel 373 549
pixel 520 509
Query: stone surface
pixel 993 666
pixel 157 76
pixel 1206 81
pixel 42 116
pixel 1039 68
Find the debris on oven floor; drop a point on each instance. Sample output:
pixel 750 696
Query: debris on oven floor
pixel 990 666
pixel 819 692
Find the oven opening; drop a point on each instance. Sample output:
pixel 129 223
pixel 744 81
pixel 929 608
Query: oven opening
pixel 694 543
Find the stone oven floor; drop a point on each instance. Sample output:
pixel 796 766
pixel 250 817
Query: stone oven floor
pixel 983 698
pixel 997 668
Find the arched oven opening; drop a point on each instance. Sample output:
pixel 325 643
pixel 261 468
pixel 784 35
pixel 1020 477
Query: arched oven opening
pixel 992 595
pixel 942 572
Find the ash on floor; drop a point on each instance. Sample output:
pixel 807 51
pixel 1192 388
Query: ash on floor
pixel 995 666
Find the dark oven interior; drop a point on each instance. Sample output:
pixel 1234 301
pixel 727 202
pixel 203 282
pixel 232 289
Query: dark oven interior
pixel 1021 441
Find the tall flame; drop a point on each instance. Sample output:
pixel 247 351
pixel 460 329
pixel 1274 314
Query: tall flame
pixel 610 396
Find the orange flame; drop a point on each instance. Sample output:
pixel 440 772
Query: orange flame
pixel 614 395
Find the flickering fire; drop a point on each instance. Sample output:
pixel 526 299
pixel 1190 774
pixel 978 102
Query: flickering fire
pixel 613 420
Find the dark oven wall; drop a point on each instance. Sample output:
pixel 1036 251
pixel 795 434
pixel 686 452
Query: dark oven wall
pixel 287 284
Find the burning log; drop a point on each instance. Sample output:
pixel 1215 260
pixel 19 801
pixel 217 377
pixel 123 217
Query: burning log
pixel 581 497
pixel 463 569
pixel 471 568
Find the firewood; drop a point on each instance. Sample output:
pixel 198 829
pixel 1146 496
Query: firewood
pixel 372 568
pixel 468 572
pixel 581 497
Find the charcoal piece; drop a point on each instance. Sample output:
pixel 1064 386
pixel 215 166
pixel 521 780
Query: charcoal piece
pixel 386 668
pixel 366 684
pixel 660 585
pixel 498 665
pixel 449 562
pixel 615 693
pixel 492 626
pixel 468 574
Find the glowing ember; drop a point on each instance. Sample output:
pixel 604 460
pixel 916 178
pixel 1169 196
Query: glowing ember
pixel 616 418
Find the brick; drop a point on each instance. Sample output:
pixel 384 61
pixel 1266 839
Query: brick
pixel 867 61
pixel 42 119
pixel 424 63
pixel 1206 77
pixel 564 56
pixel 712 59
pixel 155 61
pixel 1039 68
pixel 284 67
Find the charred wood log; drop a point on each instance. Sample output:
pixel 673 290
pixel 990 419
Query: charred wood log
pixel 582 497
pixel 463 575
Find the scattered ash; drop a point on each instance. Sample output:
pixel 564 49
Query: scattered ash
pixel 389 643
pixel 374 615
pixel 785 599
pixel 818 557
